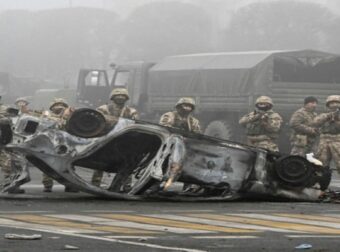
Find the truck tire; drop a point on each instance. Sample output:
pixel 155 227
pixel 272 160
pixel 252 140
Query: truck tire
pixel 219 129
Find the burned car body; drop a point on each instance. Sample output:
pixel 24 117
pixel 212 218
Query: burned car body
pixel 156 159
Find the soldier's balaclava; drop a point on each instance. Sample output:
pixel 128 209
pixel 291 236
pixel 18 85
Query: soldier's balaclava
pixel 334 105
pixel 119 99
pixel 184 109
pixel 263 106
pixel 58 109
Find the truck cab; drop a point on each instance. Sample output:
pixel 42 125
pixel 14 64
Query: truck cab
pixel 94 85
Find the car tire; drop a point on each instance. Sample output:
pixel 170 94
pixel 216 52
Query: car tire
pixel 293 171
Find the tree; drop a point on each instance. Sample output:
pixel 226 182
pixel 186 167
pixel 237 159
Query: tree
pixel 55 43
pixel 158 29
pixel 280 25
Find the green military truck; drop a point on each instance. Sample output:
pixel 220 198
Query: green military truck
pixel 225 85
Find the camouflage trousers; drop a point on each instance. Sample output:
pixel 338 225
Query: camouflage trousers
pixel 302 150
pixel 328 149
pixel 47 181
pixel 5 164
pixel 262 142
pixel 97 177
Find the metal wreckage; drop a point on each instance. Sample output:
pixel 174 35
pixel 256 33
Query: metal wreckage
pixel 147 161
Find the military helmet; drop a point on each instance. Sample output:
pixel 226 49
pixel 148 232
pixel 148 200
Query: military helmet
pixel 186 100
pixel 332 98
pixel 119 91
pixel 21 99
pixel 264 99
pixel 58 102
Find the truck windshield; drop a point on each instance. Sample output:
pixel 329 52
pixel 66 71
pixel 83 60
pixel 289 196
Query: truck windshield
pixel 121 78
pixel 307 69
pixel 95 78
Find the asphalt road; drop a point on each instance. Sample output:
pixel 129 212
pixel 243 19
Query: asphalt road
pixel 93 224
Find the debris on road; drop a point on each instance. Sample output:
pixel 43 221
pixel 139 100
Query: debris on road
pixel 23 237
pixel 70 247
pixel 304 246
pixel 54 237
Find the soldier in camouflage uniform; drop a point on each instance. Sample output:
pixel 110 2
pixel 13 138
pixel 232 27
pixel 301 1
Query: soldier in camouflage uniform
pixel 115 109
pixel 329 123
pixel 60 110
pixel 262 125
pixel 22 104
pixel 17 160
pixel 7 162
pixel 303 132
pixel 181 118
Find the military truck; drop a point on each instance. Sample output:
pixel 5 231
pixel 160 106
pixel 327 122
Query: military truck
pixel 225 85
pixel 42 98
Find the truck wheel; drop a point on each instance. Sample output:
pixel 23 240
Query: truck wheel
pixel 219 129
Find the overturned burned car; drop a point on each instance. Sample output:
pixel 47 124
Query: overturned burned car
pixel 147 161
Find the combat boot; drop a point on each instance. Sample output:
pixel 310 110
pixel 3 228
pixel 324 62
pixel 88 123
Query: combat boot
pixel 47 189
pixel 16 190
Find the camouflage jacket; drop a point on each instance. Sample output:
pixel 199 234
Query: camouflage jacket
pixel 259 123
pixel 328 122
pixel 301 123
pixel 114 110
pixel 3 111
pixel 173 119
pixel 61 118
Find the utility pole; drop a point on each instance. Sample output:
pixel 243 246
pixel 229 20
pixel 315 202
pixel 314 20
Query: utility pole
pixel 70 3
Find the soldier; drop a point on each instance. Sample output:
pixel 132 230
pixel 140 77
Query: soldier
pixel 60 110
pixel 116 109
pixel 181 118
pixel 262 125
pixel 329 123
pixel 303 133
pixel 5 159
pixel 22 105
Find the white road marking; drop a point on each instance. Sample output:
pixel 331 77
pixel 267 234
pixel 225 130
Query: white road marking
pixel 45 228
pixel 148 245
pixel 313 236
pixel 226 237
pixel 35 186
pixel 128 224
pixel 186 211
pixel 221 223
pixel 129 237
pixel 333 215
pixel 254 210
pixel 290 220
pixel 55 230
pixel 107 211
pixel 24 212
